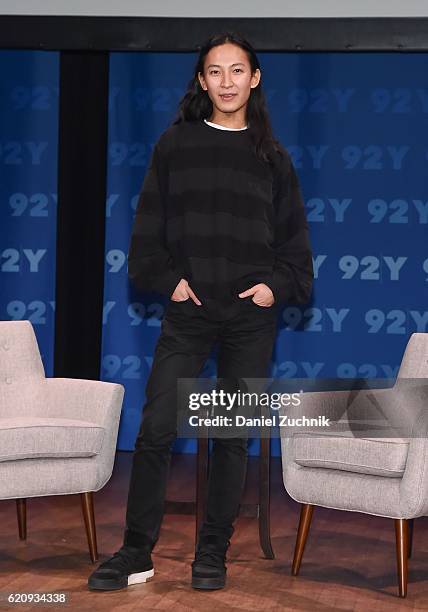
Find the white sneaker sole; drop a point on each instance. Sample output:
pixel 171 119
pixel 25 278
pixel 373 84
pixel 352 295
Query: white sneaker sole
pixel 141 577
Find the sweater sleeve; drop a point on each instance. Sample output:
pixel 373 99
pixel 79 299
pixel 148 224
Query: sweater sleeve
pixel 292 275
pixel 150 265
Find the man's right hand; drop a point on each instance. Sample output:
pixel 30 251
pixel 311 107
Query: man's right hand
pixel 183 292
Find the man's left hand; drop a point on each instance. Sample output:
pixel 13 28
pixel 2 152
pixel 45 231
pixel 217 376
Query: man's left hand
pixel 263 295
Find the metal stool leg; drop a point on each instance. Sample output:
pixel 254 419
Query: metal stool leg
pixel 201 483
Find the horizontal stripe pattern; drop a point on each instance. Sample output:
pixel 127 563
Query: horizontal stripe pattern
pixel 206 180
pixel 211 212
pixel 224 224
pixel 235 249
pixel 197 153
pixel 222 200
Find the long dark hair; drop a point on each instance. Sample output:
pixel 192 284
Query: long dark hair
pixel 196 104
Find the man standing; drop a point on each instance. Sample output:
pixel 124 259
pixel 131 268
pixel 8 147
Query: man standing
pixel 220 229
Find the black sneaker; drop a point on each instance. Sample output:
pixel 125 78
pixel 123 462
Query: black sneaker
pixel 208 568
pixel 127 566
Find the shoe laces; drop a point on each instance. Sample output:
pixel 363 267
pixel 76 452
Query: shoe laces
pixel 209 557
pixel 124 558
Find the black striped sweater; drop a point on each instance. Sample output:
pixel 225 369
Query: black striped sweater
pixel 211 212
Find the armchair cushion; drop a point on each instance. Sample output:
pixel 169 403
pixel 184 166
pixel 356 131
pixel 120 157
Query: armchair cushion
pixel 33 437
pixel 375 456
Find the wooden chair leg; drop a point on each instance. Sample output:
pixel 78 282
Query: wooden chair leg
pixel 89 518
pixel 21 511
pixel 302 533
pixel 264 498
pixel 410 523
pixel 402 546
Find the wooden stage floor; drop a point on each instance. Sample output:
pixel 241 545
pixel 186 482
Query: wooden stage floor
pixel 349 562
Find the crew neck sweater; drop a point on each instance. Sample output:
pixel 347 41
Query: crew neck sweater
pixel 210 211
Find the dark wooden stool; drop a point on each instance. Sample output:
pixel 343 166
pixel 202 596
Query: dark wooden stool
pixel 260 510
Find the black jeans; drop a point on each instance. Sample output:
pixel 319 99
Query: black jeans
pixel 245 333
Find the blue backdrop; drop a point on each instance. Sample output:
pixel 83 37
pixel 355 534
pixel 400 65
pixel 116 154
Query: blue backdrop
pixel 28 191
pixel 355 125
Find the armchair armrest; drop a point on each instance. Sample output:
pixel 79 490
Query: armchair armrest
pixel 94 401
pixel 88 400
pixel 384 413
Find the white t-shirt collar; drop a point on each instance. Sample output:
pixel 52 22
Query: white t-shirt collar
pixel 222 127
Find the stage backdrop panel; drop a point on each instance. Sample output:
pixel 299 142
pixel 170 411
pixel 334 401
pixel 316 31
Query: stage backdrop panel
pixel 355 125
pixel 28 191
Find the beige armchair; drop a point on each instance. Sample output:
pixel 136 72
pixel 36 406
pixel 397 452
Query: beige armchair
pixel 57 435
pixel 372 459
